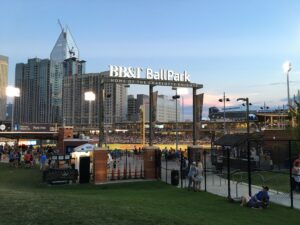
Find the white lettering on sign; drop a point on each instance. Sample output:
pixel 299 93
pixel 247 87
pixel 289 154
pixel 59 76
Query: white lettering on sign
pixel 120 71
pixel 135 72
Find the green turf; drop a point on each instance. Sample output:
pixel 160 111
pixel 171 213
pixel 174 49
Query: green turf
pixel 25 200
pixel 278 181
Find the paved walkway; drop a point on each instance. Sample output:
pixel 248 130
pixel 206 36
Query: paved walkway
pixel 217 185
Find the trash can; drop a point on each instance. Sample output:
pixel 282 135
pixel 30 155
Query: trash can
pixel 175 177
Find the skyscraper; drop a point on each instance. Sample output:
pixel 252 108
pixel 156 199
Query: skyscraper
pixel 65 47
pixel 40 82
pixel 3 84
pixel 166 108
pixel 76 109
pixel 132 110
pixel 73 66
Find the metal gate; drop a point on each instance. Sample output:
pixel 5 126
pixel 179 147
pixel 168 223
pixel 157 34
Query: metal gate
pixel 124 165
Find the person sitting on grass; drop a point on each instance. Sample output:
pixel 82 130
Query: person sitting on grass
pixel 259 200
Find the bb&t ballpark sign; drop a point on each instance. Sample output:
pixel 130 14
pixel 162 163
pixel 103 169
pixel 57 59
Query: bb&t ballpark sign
pixel 149 74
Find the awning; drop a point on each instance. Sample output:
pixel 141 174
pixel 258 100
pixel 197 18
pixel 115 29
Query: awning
pixel 231 140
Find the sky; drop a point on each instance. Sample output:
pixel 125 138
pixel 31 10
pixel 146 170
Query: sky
pixel 232 46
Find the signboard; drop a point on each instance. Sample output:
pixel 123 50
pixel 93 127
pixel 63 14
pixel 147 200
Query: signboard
pixel 149 74
pixel 137 75
pixel 36 127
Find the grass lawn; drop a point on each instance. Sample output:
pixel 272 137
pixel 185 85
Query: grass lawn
pixel 279 181
pixel 25 200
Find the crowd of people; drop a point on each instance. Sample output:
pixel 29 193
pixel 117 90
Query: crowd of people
pixel 27 156
pixel 129 138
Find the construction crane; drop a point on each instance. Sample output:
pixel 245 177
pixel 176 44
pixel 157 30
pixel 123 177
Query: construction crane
pixel 70 49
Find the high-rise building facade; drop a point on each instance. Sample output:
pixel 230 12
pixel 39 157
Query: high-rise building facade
pixel 76 108
pixel 73 66
pixel 3 85
pixel 165 111
pixel 40 82
pixel 143 101
pixel 132 110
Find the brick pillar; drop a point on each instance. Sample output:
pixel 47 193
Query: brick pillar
pixel 100 165
pixel 149 162
pixel 63 133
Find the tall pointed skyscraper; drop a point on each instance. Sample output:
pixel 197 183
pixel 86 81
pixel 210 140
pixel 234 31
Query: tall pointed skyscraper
pixel 65 46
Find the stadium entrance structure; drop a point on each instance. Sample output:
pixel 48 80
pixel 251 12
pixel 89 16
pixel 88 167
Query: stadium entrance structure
pixel 130 75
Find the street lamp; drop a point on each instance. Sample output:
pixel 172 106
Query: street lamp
pixel 287 66
pixel 247 114
pixel 89 96
pixel 12 92
pixel 176 97
pixel 224 100
pixel 248 147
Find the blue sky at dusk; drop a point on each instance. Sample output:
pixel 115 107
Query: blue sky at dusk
pixel 236 46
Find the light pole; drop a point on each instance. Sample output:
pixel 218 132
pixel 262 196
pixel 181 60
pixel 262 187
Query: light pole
pixel 224 100
pixel 282 118
pixel 89 96
pixel 287 66
pixel 12 92
pixel 175 97
pixel 248 147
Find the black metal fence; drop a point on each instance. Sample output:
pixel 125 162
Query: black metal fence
pixel 238 170
pixel 124 165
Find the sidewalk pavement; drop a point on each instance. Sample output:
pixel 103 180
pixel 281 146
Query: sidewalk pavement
pixel 219 186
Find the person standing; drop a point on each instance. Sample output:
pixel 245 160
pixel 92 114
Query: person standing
pixel 296 160
pixel 1 152
pixel 198 177
pixel 43 159
pixel 191 175
pixel 296 177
